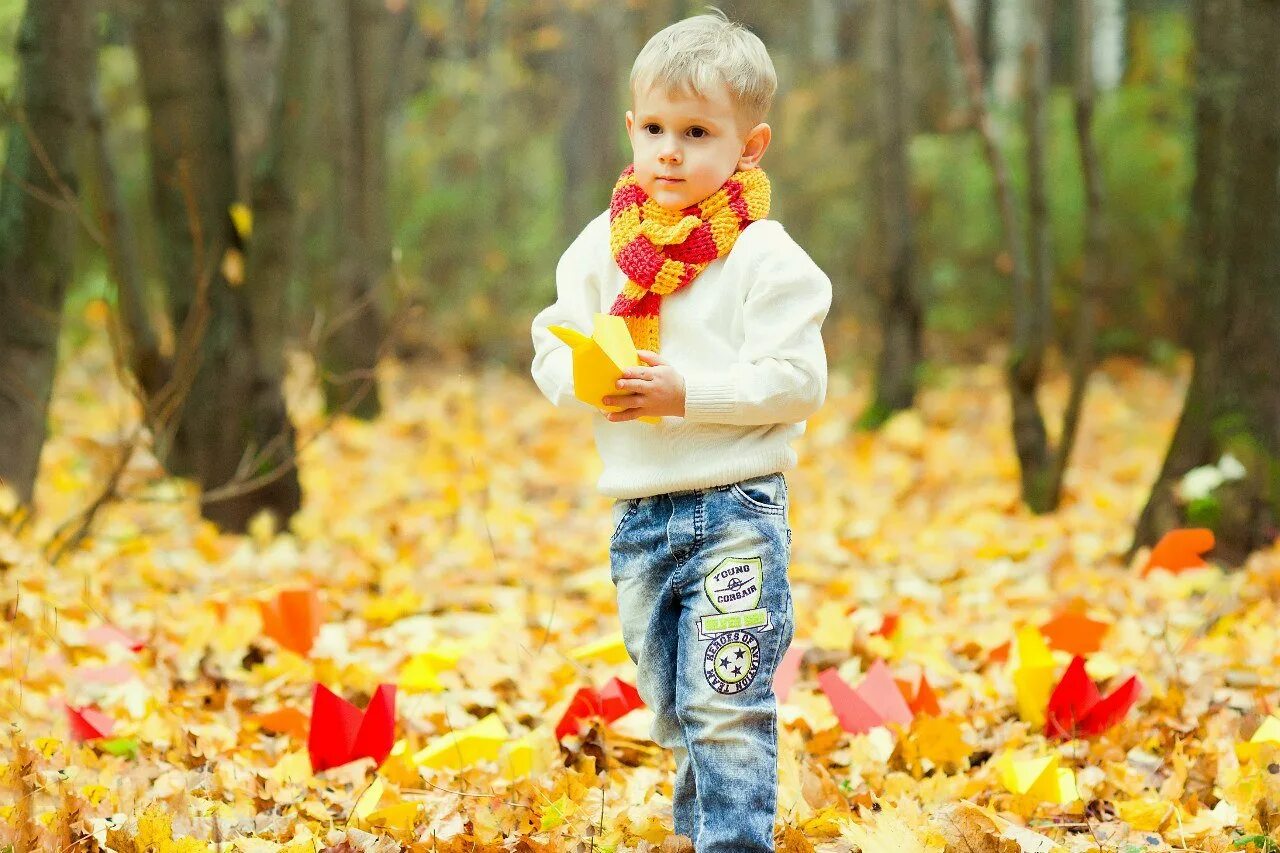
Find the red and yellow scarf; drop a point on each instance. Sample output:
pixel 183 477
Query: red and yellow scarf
pixel 662 250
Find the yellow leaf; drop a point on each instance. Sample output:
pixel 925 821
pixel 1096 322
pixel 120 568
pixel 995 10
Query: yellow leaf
pixel 939 739
pixel 418 675
pixel 555 814
pixel 242 219
pixel 155 832
pixel 1147 814
pixel 367 802
pixel 400 817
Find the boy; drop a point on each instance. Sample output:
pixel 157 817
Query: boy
pixel 701 542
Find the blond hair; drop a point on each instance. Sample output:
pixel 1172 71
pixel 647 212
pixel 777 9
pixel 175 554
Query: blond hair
pixel 699 53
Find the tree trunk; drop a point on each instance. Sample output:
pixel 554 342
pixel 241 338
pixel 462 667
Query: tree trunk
pixel 589 152
pixel 901 311
pixel 141 343
pixel 37 226
pixel 1233 403
pixel 224 421
pixel 1201 284
pixel 276 182
pixel 354 334
pixel 1031 304
pixel 984 25
pixel 1094 238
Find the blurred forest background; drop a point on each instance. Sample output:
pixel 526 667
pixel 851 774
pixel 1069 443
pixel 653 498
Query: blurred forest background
pixel 361 179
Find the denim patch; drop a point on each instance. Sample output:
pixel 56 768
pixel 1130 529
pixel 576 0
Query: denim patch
pixel 735 584
pixel 731 662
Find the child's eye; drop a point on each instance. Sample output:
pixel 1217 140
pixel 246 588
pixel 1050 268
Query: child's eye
pixel 697 132
pixel 648 126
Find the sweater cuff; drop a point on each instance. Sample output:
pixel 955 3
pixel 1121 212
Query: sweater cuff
pixel 709 399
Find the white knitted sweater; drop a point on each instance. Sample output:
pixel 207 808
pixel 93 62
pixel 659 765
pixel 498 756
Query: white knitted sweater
pixel 746 335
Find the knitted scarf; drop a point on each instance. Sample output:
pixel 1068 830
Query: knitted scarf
pixel 662 250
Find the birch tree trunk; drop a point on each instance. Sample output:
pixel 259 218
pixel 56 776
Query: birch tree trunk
pixel 37 226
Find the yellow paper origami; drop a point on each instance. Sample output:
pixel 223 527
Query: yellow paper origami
pixel 610 650
pixel 1033 680
pixel 598 360
pixel 519 758
pixel 1040 778
pixel 461 749
pixel 1268 732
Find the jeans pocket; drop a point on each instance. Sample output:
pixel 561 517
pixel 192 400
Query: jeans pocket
pixel 621 513
pixel 767 493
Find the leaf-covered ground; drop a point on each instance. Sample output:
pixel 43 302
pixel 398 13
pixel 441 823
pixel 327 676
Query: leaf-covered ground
pixel 460 551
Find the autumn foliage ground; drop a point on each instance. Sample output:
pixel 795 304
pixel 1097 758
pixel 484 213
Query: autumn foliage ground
pixel 465 519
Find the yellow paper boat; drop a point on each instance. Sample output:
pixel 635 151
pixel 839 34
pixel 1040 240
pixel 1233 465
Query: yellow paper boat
pixel 610 650
pixel 1041 778
pixel 520 758
pixel 598 360
pixel 461 749
pixel 1033 680
pixel 1265 741
pixel 1268 732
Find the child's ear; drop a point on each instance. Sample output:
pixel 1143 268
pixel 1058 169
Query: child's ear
pixel 630 120
pixel 754 146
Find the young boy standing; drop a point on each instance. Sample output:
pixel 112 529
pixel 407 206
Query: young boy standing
pixel 701 541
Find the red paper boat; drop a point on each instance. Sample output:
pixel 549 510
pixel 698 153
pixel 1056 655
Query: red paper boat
pixel 88 723
pixel 874 702
pixel 610 702
pixel 1076 709
pixel 617 698
pixel 585 704
pixel 342 733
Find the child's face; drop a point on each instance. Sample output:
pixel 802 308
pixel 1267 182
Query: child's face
pixel 685 146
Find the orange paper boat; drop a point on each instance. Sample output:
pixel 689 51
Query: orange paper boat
pixel 293 619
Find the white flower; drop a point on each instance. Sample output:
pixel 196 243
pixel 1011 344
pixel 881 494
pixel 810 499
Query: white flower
pixel 1199 482
pixel 1230 467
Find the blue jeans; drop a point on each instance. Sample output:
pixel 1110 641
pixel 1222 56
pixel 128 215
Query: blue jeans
pixel 706 615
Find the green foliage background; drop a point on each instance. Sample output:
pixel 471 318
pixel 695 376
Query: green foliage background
pixel 476 188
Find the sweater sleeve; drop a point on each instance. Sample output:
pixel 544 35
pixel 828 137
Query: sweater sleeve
pixel 781 372
pixel 577 300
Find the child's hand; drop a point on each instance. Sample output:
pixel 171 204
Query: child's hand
pixel 658 390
